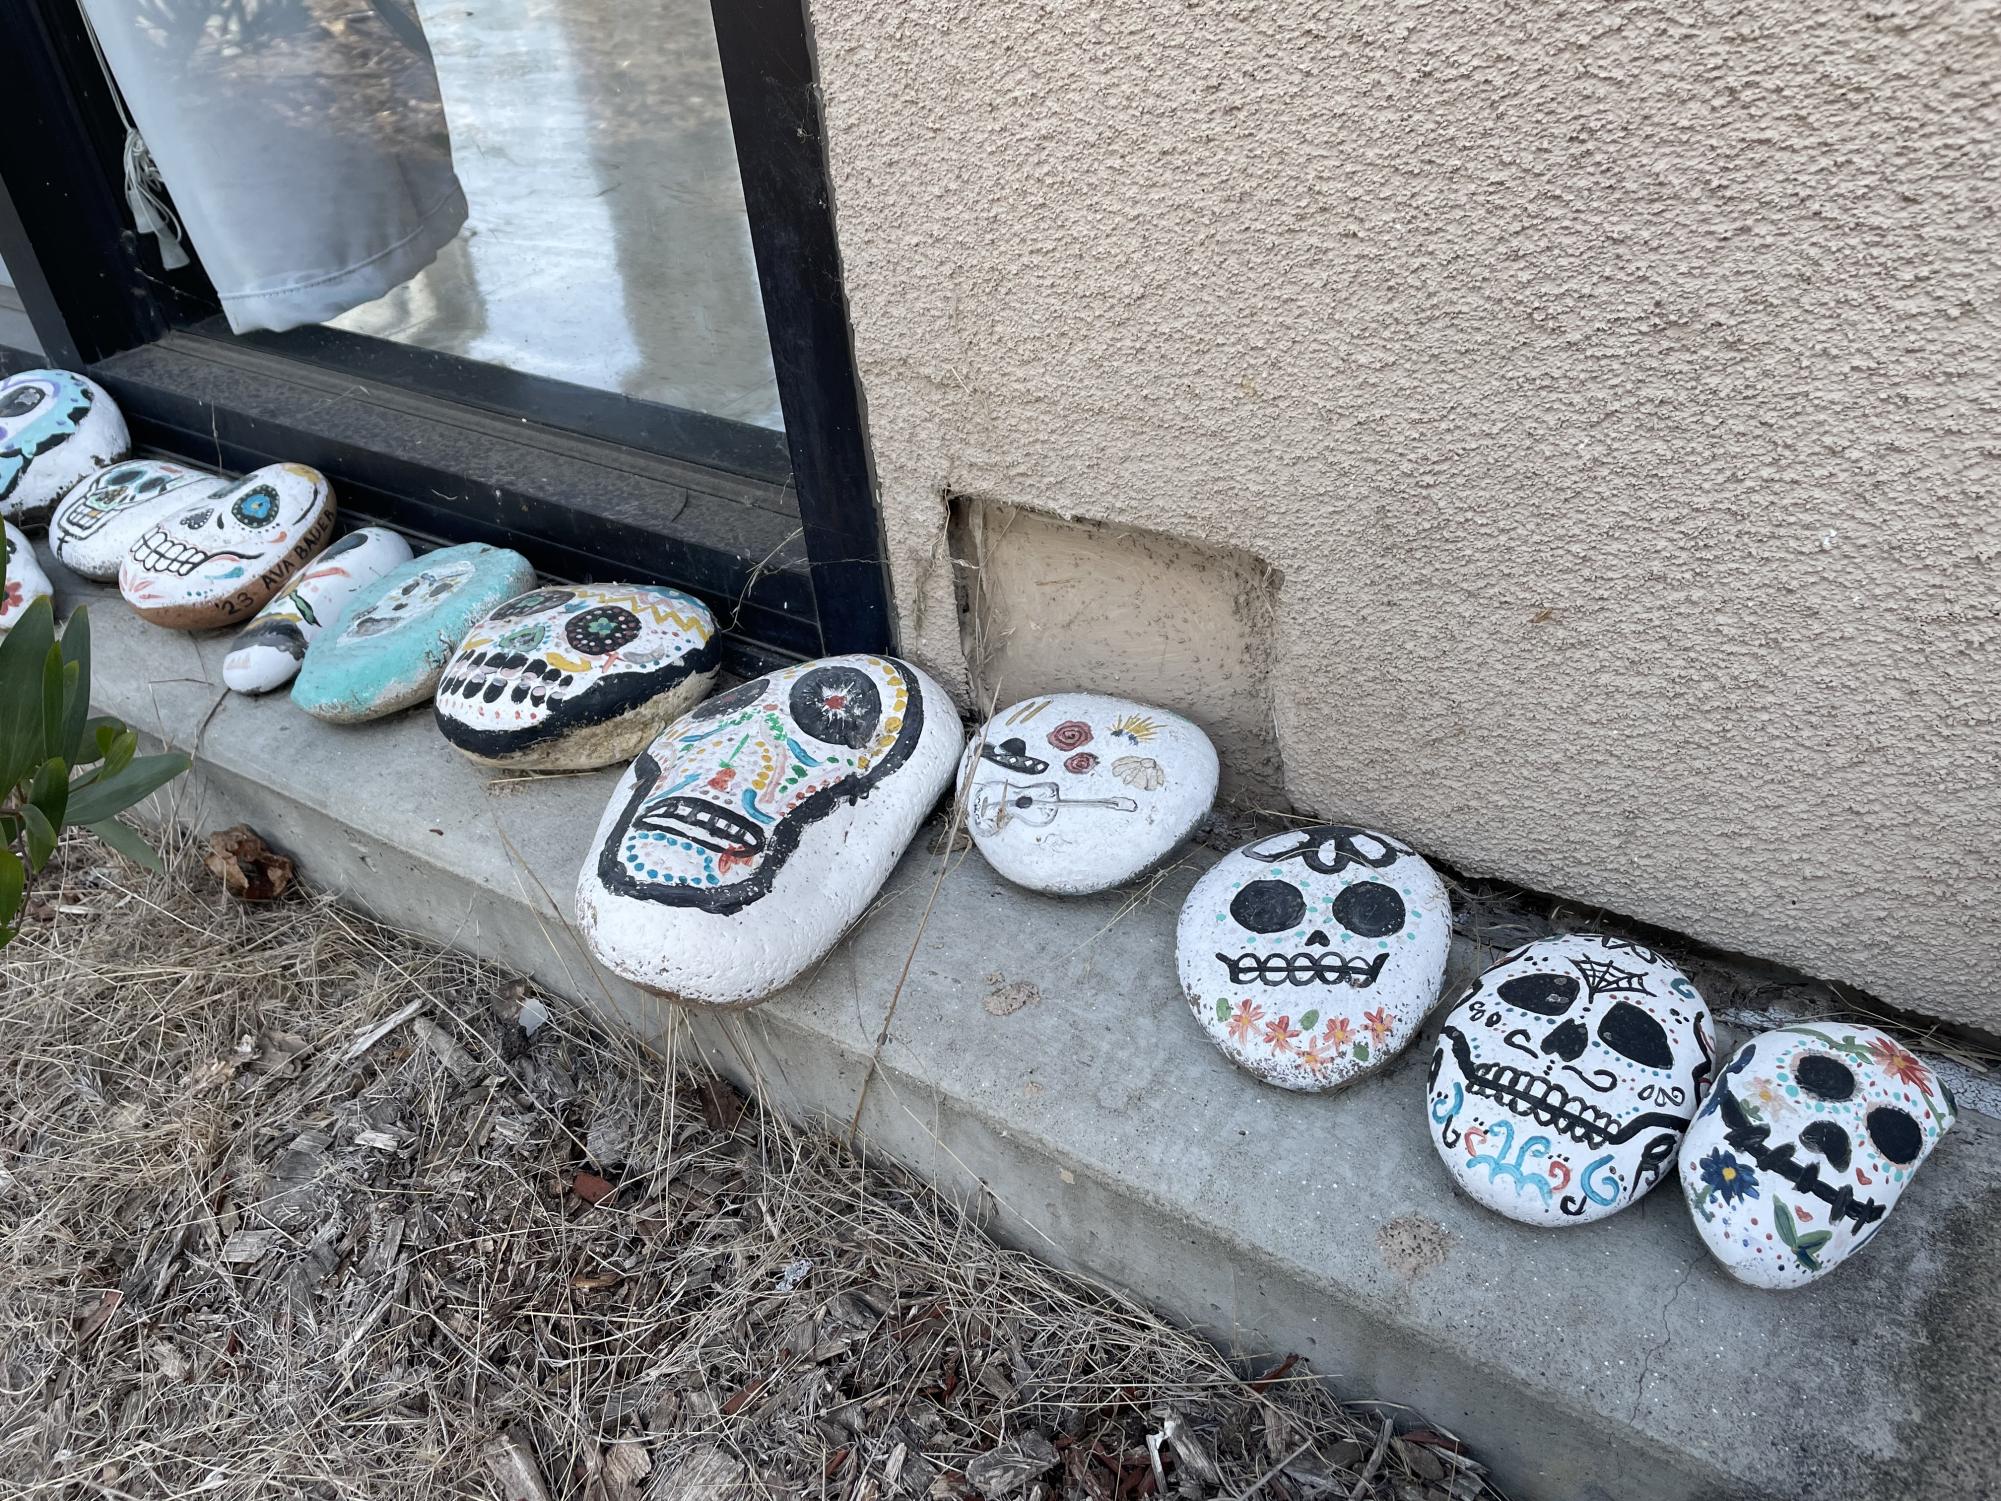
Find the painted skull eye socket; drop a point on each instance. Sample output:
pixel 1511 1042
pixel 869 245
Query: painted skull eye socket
pixel 256 507
pixel 1830 1141
pixel 1896 1135
pixel 1545 995
pixel 1268 907
pixel 197 518
pixel 838 705
pixel 1631 1033
pixel 1824 1078
pixel 600 630
pixel 534 602
pixel 1369 908
pixel 20 401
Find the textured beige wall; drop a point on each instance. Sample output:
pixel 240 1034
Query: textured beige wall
pixel 1616 388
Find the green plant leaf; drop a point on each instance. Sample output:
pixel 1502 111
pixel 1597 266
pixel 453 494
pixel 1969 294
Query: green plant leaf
pixel 123 747
pixel 126 840
pixel 109 796
pixel 41 836
pixel 49 791
pixel 1309 1021
pixel 55 698
pixel 13 890
pixel 23 650
pixel 76 708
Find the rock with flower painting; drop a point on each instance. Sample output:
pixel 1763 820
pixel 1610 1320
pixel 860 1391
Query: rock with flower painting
pixel 55 428
pixel 1805 1144
pixel 267 652
pixel 221 557
pixel 1078 792
pixel 26 582
pixel 1563 1081
pixel 746 838
pixel 1312 957
pixel 397 633
pixel 564 679
pixel 104 514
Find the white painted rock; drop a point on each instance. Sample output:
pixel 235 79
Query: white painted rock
pixel 398 632
pixel 567 678
pixel 1805 1144
pixel 267 652
pixel 1078 792
pixel 742 843
pixel 26 582
pixel 220 558
pixel 55 428
pixel 1563 1081
pixel 95 525
pixel 1312 957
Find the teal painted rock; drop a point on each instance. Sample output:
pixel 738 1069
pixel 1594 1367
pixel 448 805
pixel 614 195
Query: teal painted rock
pixel 397 634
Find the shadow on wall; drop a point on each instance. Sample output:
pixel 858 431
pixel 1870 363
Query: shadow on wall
pixel 1047 606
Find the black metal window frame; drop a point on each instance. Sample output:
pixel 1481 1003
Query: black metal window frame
pixel 781 535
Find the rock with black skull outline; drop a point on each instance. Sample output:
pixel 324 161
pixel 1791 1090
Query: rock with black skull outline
pixel 756 828
pixel 396 634
pixel 96 524
pixel 1313 956
pixel 1809 1137
pixel 55 428
pixel 1075 793
pixel 222 557
pixel 1563 1081
pixel 26 582
pixel 572 677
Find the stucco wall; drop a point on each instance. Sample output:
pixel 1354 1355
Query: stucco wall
pixel 1616 389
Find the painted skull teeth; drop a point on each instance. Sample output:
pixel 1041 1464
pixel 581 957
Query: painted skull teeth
pixel 1541 1099
pixel 160 552
pixel 708 824
pixel 1755 1141
pixel 516 676
pixel 1303 969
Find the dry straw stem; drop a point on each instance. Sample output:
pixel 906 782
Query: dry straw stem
pixel 241 1256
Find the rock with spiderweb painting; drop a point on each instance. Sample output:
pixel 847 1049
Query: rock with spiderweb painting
pixel 267 652
pixel 55 428
pixel 1312 957
pixel 1804 1146
pixel 571 677
pixel 756 828
pixel 26 582
pixel 396 635
pixel 96 524
pixel 1079 792
pixel 221 557
pixel 1563 1081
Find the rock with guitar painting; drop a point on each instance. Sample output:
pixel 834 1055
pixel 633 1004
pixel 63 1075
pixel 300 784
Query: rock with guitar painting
pixel 1078 792
pixel 758 826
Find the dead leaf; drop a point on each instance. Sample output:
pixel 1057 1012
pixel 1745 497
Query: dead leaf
pixel 722 1106
pixel 591 1188
pixel 516 1475
pixel 249 869
pixel 1005 1000
pixel 99 1316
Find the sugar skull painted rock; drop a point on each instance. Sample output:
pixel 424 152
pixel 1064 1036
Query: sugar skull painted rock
pixel 267 652
pixel 26 582
pixel 220 558
pixel 55 428
pixel 566 678
pixel 744 840
pixel 1311 957
pixel 1078 792
pixel 397 633
pixel 1807 1140
pixel 95 525
pixel 1564 1079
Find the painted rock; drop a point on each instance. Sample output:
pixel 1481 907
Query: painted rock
pixel 743 841
pixel 95 525
pixel 1804 1145
pixel 26 582
pixel 1312 957
pixel 221 557
pixel 398 632
pixel 563 679
pixel 55 428
pixel 266 654
pixel 1078 792
pixel 1564 1079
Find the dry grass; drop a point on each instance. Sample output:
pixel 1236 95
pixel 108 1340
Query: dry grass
pixel 252 1243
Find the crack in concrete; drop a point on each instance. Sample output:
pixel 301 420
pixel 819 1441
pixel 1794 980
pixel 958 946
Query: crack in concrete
pixel 1667 1338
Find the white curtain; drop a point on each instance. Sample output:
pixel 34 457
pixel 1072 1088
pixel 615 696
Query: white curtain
pixel 303 142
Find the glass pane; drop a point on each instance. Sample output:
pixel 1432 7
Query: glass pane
pixel 606 243
pixel 15 330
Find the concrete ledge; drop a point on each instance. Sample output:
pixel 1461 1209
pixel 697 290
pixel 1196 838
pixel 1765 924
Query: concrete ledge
pixel 1100 1128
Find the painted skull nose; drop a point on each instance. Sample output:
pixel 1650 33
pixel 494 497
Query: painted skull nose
pixel 1567 1041
pixel 1827 1140
pixel 1317 939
